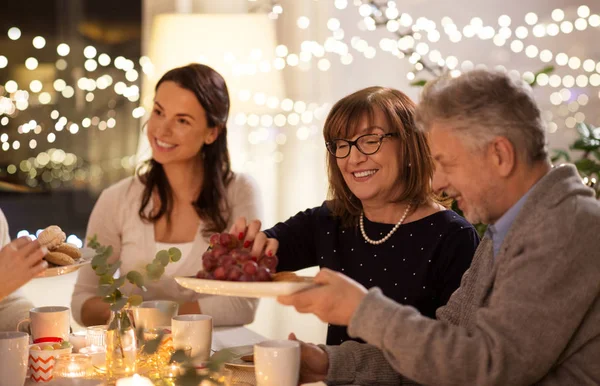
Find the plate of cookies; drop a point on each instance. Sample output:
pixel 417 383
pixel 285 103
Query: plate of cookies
pixel 62 257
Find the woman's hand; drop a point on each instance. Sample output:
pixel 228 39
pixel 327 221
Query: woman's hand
pixel 253 238
pixel 20 261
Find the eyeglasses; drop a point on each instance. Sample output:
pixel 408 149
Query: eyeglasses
pixel 367 144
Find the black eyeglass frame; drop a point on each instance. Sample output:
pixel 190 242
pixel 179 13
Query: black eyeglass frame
pixel 331 147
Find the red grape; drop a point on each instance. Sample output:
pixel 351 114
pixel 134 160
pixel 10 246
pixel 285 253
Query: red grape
pixel 245 277
pixel 250 267
pixel 227 240
pixel 228 260
pixel 220 273
pixel 208 261
pixel 263 274
pixel 219 251
pixel 269 262
pixel 234 273
pixel 203 275
pixel 214 240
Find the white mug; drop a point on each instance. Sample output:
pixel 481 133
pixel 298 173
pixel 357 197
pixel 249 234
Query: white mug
pixel 47 324
pixel 277 363
pixel 154 314
pixel 14 349
pixel 194 331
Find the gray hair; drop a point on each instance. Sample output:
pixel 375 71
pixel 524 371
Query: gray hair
pixel 482 105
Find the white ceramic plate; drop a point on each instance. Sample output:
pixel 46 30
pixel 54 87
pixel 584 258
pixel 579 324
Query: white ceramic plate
pixel 87 254
pixel 237 354
pixel 243 289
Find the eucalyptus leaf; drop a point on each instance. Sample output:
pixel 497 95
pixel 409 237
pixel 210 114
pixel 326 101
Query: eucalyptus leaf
pixel 135 300
pixel 174 254
pixel 161 253
pixel 119 282
pixel 98 260
pixel 119 304
pixel 101 269
pixel 219 359
pixel 162 258
pixel 179 356
pixel 106 280
pixel 135 278
pixel 112 268
pixel 105 289
pixel 151 346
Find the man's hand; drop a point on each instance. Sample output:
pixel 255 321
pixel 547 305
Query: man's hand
pixel 334 301
pixel 314 362
pixel 20 261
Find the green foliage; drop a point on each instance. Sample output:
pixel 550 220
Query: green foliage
pixel 189 375
pixel 110 287
pixel 533 82
pixel 546 70
pixel 587 146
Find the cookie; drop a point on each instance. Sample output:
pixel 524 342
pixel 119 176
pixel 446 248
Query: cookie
pixel 68 249
pixel 59 258
pixel 52 237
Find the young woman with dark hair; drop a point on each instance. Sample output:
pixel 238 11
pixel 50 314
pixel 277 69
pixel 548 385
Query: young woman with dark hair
pixel 177 199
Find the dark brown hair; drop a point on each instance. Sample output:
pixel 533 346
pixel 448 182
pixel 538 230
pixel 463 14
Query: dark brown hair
pixel 211 91
pixel 415 161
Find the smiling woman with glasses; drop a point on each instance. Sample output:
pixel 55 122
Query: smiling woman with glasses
pixel 367 144
pixel 382 224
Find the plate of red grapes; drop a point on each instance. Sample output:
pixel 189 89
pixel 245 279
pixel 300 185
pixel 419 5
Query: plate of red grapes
pixel 229 269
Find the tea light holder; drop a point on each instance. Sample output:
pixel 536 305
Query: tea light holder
pixel 78 340
pixel 73 366
pixel 96 336
pixel 98 355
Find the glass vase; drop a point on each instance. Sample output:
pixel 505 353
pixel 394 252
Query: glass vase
pixel 121 346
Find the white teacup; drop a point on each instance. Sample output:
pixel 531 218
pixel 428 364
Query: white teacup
pixel 47 324
pixel 154 314
pixel 277 363
pixel 14 349
pixel 194 331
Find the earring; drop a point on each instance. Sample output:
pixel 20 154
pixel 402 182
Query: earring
pixel 409 164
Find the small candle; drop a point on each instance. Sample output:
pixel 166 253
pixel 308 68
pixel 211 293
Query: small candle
pixel 77 339
pixel 136 380
pixel 72 366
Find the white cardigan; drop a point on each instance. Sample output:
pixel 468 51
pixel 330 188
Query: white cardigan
pixel 115 220
pixel 15 307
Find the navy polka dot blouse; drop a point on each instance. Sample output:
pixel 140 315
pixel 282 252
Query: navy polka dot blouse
pixel 420 265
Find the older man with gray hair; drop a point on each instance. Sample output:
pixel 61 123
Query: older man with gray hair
pixel 528 309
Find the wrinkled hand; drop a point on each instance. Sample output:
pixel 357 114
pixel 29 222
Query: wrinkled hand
pixel 334 301
pixel 314 362
pixel 20 261
pixel 253 237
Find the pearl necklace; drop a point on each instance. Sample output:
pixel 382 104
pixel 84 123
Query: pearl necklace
pixel 383 240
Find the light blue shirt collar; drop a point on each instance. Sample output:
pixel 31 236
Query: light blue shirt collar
pixel 497 232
